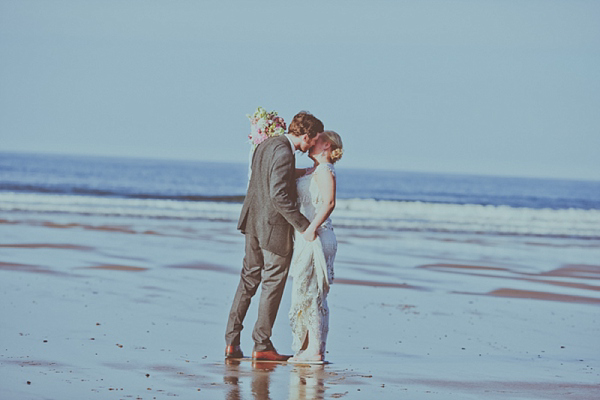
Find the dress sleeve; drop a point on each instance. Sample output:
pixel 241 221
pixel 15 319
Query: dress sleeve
pixel 328 167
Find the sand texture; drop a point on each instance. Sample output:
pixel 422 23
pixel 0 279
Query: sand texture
pixel 124 308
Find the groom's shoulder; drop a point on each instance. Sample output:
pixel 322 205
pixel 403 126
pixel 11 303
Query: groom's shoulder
pixel 277 144
pixel 279 140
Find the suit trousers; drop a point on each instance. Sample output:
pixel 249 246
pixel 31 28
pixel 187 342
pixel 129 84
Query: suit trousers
pixel 270 268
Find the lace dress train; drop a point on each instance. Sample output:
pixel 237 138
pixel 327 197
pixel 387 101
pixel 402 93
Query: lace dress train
pixel 312 272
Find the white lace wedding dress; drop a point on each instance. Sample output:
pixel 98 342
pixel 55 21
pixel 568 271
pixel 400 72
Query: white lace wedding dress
pixel 312 271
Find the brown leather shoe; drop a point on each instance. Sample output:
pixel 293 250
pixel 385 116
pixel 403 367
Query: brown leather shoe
pixel 233 351
pixel 268 355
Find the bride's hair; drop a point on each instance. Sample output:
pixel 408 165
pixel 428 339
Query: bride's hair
pixel 337 148
pixel 304 123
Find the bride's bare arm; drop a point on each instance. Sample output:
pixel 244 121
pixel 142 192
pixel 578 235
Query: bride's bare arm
pixel 326 183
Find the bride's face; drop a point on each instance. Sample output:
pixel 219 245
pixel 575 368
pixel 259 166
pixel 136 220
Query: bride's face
pixel 320 146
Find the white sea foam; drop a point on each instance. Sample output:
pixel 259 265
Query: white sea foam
pixel 360 213
pixel 467 218
pixel 148 208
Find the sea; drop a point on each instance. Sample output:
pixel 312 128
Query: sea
pixel 366 199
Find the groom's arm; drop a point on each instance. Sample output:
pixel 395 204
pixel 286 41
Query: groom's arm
pixel 279 187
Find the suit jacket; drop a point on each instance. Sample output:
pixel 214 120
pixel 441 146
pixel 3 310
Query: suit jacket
pixel 270 211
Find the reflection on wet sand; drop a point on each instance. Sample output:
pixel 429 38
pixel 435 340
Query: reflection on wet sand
pixel 203 266
pixel 261 379
pixel 107 228
pixel 5 266
pixel 408 335
pixel 531 294
pixel 306 381
pixel 231 378
pixel 575 276
pixel 112 267
pixel 47 246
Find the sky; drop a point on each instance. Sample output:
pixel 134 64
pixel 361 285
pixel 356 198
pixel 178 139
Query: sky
pixel 503 87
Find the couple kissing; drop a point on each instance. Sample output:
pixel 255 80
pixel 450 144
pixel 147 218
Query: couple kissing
pixel 286 222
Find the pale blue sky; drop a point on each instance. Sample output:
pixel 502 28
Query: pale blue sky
pixel 485 87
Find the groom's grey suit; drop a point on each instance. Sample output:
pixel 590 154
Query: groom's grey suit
pixel 268 219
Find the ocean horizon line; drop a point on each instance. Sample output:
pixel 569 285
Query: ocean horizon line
pixel 353 168
pixel 222 181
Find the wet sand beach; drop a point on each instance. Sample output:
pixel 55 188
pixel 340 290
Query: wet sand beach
pixel 101 307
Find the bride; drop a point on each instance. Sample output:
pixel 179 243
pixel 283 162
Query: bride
pixel 314 252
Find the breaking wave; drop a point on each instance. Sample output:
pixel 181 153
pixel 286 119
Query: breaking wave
pixel 351 213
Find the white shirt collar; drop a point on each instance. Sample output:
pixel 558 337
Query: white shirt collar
pixel 287 135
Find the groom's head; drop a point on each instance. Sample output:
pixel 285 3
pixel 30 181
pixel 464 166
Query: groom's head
pixel 306 127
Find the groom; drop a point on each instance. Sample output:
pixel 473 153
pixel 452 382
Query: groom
pixel 268 219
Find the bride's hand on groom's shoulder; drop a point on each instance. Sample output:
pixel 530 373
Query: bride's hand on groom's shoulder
pixel 309 235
